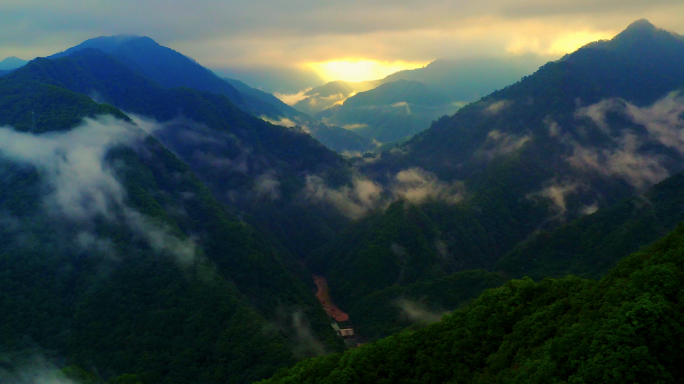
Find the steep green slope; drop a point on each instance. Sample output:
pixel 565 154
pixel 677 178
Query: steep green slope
pixel 593 244
pixel 393 309
pixel 231 151
pixel 380 251
pixel 625 328
pixel 141 272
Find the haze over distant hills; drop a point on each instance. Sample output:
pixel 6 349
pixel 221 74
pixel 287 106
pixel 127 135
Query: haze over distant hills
pixel 452 83
pixel 390 112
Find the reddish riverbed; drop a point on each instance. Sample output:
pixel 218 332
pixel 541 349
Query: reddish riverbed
pixel 323 296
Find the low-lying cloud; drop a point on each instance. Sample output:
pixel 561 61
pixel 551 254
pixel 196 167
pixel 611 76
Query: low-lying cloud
pixel 664 120
pixel 417 313
pixel 267 185
pixel 556 193
pixel 352 201
pixel 627 158
pixel 283 122
pixel 37 370
pixel 306 343
pixel 498 106
pixel 81 185
pixel 418 186
pixel 414 185
pixel 638 169
pixel 403 104
pixel 292 98
pixel 500 144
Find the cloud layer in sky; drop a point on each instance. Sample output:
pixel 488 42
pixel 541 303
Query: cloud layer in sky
pixel 277 33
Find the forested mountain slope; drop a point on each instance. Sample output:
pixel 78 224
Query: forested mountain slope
pixel 591 245
pixel 624 328
pixel 580 134
pixel 256 166
pixel 115 256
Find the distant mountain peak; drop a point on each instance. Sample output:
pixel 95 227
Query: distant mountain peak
pixel 638 30
pixel 641 25
pixel 12 62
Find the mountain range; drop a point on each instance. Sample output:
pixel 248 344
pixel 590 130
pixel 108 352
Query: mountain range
pixel 428 93
pixel 170 69
pixel 390 112
pixel 157 228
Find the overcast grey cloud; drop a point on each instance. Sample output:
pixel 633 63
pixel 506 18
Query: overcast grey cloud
pixel 270 35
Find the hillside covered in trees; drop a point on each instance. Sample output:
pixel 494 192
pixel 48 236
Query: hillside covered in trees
pixel 627 327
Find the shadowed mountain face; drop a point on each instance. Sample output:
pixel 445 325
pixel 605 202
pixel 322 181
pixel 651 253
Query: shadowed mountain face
pixel 468 80
pixel 162 65
pixel 109 239
pixel 390 112
pixel 169 69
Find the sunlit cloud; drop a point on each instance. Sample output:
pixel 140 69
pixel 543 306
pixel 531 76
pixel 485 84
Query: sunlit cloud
pixel 292 98
pixel 361 69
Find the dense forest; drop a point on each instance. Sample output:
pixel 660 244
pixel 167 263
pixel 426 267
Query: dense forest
pixel 167 277
pixel 627 327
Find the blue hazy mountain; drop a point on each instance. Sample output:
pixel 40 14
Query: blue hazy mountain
pixel 172 69
pixel 390 112
pixel 461 80
pixel 11 63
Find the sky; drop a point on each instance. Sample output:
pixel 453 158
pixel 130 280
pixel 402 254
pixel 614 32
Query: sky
pixel 311 40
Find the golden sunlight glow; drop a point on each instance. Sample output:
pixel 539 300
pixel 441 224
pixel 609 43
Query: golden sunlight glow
pixel 574 41
pixel 360 70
